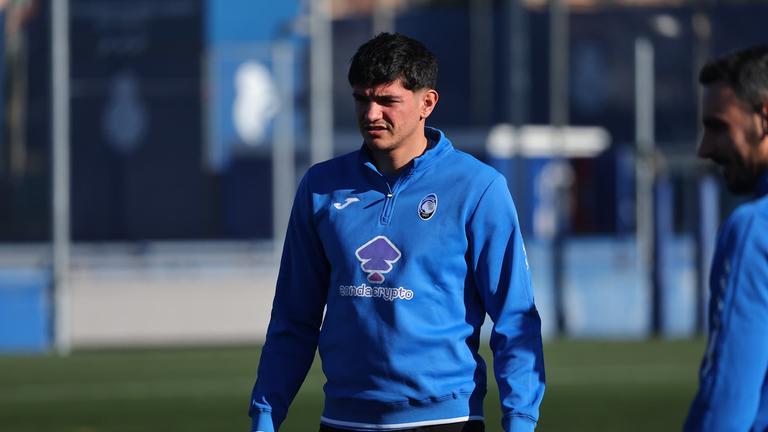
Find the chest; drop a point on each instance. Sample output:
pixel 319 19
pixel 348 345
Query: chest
pixel 413 223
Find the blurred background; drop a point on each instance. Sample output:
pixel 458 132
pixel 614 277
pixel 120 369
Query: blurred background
pixel 150 149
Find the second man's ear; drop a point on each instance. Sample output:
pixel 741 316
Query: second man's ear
pixel 428 102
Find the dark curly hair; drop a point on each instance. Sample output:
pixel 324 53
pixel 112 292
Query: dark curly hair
pixel 745 71
pixel 388 57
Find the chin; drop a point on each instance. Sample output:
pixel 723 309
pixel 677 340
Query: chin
pixel 377 144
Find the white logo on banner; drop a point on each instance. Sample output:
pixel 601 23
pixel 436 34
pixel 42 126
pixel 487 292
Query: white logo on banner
pixel 257 102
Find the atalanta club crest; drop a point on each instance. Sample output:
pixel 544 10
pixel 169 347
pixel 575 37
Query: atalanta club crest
pixel 428 206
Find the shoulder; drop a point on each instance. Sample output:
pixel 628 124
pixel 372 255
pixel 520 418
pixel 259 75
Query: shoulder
pixel 479 184
pixel 330 171
pixel 749 216
pixel 332 165
pixel 469 170
pixel 758 228
pixel 747 227
pixel 456 164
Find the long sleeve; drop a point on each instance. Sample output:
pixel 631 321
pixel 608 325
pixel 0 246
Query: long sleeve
pixel 297 313
pixel 733 371
pixel 502 276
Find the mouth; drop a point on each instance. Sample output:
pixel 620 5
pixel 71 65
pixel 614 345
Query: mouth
pixel 375 130
pixel 375 127
pixel 720 162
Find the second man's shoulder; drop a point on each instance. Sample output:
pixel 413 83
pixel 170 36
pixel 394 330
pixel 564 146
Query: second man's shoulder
pixel 747 226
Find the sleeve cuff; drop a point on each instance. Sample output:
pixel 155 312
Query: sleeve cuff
pixel 262 422
pixel 515 423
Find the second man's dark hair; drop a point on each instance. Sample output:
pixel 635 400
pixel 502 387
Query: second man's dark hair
pixel 388 57
pixel 745 71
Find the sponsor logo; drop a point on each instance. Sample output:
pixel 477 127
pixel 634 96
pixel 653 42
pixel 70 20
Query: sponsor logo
pixel 376 258
pixel 386 293
pixel 348 201
pixel 427 206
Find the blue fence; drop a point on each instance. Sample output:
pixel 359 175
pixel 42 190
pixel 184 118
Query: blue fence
pixel 607 292
pixel 25 310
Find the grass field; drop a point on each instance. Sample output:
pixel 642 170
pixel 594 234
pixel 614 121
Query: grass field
pixel 592 386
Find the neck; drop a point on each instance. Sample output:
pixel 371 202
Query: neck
pixel 761 186
pixel 393 161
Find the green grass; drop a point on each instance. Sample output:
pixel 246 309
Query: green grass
pixel 592 386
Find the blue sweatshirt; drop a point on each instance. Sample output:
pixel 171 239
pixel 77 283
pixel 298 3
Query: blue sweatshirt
pixel 406 272
pixel 733 387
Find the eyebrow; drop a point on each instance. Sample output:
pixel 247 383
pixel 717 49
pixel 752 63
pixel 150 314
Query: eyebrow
pixel 384 97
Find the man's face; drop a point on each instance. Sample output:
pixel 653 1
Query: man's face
pixel 390 116
pixel 734 138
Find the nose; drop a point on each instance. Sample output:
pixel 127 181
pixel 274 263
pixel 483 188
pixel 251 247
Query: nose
pixel 371 112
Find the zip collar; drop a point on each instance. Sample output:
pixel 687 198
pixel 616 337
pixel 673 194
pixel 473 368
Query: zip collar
pixel 437 147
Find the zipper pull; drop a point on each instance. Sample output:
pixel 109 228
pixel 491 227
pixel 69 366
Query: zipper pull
pixel 389 189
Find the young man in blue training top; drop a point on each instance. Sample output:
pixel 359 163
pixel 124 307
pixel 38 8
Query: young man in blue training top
pixel 407 243
pixel 733 388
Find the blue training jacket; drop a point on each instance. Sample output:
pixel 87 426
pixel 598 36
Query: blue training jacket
pixel 407 273
pixel 733 387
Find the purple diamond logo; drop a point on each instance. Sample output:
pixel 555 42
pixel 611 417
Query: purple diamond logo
pixel 376 258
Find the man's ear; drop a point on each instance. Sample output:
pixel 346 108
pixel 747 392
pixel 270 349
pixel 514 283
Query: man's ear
pixel 428 102
pixel 764 119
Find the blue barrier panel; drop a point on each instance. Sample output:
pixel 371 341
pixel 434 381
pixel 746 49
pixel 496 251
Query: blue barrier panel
pixel 540 258
pixel 679 295
pixel 24 310
pixel 606 294
pixel 663 231
pixel 706 227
